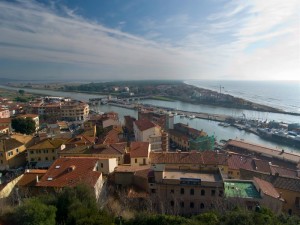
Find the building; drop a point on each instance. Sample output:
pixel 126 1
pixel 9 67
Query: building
pixel 139 153
pixel 27 184
pixel 70 172
pixel 45 152
pixel 286 159
pixel 12 153
pixel 6 123
pixel 287 187
pixel 186 182
pixel 74 111
pixel 4 113
pixel 116 151
pixel 185 192
pixel 164 120
pixel 187 138
pixel 146 131
pixel 251 194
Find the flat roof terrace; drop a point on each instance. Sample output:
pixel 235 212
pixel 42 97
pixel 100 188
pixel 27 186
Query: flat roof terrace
pixel 241 189
pixel 203 176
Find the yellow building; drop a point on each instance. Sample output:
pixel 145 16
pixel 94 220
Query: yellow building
pixel 12 154
pixel 44 152
pixel 74 111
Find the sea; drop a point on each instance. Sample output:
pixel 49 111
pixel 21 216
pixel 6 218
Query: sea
pixel 283 95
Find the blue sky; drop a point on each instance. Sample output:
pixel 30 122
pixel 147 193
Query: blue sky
pixel 139 39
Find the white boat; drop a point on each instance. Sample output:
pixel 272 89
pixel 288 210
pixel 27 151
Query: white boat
pixel 192 117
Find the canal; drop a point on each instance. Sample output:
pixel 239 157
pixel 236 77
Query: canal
pixel 210 127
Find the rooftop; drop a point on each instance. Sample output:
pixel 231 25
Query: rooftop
pixel 139 149
pixel 292 157
pixel 203 176
pixel 144 124
pixel 241 189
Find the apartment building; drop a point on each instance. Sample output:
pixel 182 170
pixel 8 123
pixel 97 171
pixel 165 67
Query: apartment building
pixel 12 153
pixel 4 113
pixel 45 152
pixel 146 131
pixel 185 183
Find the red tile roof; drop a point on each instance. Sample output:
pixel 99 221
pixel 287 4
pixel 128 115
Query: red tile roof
pixel 29 178
pixel 139 149
pixel 237 162
pixel 69 172
pixel 266 187
pixel 144 124
pixel 207 157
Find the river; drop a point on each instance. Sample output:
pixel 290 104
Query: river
pixel 210 127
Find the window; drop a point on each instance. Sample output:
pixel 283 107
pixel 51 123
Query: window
pixel 153 191
pixel 46 158
pixel 32 159
pixel 135 160
pixel 172 191
pixel 192 192
pixel 201 206
pixel 172 203
pixel 182 191
pixel 1 161
pixel 17 150
pixel 213 192
pixel 202 192
pixel 182 204
pixel 39 159
pixel 53 157
pixel 191 205
pixel 31 152
pixel 101 165
pixel 297 202
pixel 221 193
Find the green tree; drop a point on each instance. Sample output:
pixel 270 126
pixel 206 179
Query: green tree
pixel 23 125
pixel 21 92
pixel 34 212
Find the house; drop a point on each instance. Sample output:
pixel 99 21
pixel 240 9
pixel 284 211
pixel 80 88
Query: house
pixel 6 122
pixel 288 187
pixel 43 153
pixel 4 113
pixel 12 154
pixel 252 194
pixel 146 131
pixel 70 172
pixel 110 151
pixel 139 153
pixel 27 184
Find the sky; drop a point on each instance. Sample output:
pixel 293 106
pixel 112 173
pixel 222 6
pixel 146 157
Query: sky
pixel 142 39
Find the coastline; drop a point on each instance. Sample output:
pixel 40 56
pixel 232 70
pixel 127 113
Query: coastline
pixel 252 106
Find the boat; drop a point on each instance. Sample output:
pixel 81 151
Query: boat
pixel 192 117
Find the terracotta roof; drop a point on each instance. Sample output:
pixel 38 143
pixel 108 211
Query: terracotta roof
pixel 292 157
pixel 266 187
pixel 178 134
pixel 283 171
pixel 111 137
pixel 261 165
pixel 48 144
pixel 69 172
pixel 112 149
pixel 29 116
pixel 207 157
pixel 11 143
pixel 144 124
pixel 81 140
pixel 5 120
pixel 282 182
pixel 139 149
pixel 236 162
pixel 131 169
pixel 29 177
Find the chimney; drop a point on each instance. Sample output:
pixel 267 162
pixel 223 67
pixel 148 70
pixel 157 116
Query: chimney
pixel 37 178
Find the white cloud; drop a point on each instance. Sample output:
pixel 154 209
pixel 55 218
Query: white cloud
pixel 205 49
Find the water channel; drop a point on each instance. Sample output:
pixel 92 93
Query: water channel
pixel 210 127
